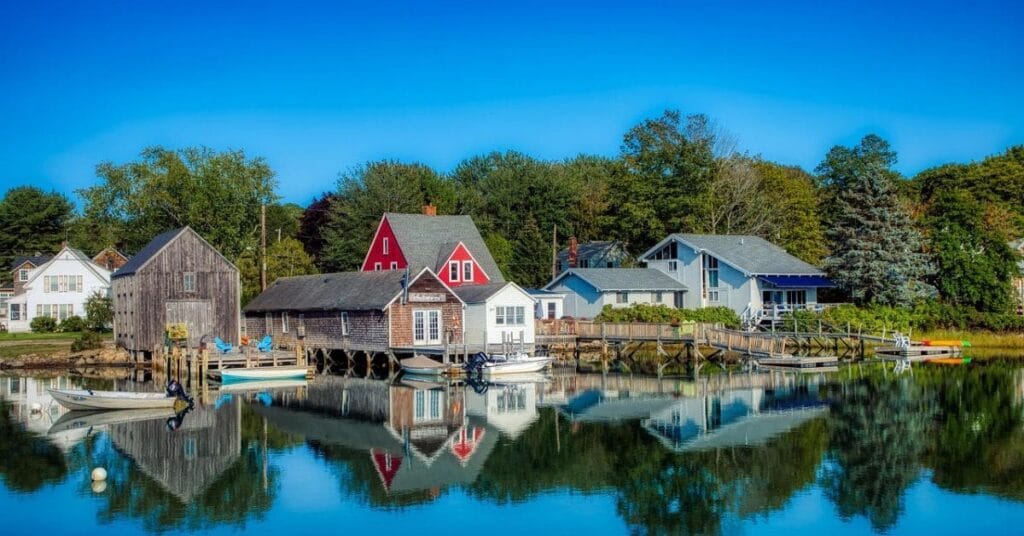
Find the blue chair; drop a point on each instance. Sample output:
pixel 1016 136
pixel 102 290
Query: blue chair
pixel 222 346
pixel 266 344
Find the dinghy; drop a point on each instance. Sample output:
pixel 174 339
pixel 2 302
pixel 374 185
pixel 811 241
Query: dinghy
pixel 87 399
pixel 262 373
pixel 424 366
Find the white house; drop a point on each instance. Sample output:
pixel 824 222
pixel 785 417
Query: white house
pixel 58 288
pixel 496 313
pixel 550 304
pixel 588 290
pixel 511 407
pixel 747 274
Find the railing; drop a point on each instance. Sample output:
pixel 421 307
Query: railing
pixel 585 329
pixel 776 311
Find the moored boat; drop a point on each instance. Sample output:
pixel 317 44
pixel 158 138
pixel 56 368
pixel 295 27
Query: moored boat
pixel 262 373
pixel 502 364
pixel 74 420
pixel 424 366
pixel 87 399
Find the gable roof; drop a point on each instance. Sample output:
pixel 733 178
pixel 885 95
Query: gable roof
pixel 482 293
pixel 590 249
pixel 622 279
pixel 155 246
pixel 424 239
pixel 36 260
pixel 749 254
pixel 102 273
pixel 356 291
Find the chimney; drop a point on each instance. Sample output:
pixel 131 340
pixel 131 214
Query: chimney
pixel 573 252
pixel 429 210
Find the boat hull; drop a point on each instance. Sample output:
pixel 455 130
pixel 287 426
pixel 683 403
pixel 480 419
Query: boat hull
pixel 106 400
pixel 261 373
pixel 516 366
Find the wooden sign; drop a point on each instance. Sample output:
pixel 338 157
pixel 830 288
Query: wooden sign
pixel 427 297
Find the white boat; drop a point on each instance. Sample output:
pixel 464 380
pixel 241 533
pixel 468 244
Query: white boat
pixel 514 364
pixel 262 373
pixel 88 399
pixel 263 385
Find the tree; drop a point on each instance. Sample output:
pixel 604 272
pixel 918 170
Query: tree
pixel 218 193
pixel 312 223
pixel 790 193
pixel 876 250
pixel 283 220
pixel 31 221
pixel 975 263
pixel 99 312
pixel 285 258
pixel 367 192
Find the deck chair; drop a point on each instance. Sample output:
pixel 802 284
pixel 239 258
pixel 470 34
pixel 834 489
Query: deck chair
pixel 222 346
pixel 266 344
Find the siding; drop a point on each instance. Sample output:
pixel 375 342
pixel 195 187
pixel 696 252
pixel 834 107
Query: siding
pixel 367 330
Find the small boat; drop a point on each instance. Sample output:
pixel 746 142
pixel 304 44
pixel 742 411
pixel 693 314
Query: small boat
pixel 949 361
pixel 74 420
pixel 965 344
pixel 424 366
pixel 263 385
pixel 87 399
pixel 500 364
pixel 262 373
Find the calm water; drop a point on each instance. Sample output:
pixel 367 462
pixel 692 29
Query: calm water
pixel 937 452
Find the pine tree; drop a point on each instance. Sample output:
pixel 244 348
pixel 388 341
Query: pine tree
pixel 876 250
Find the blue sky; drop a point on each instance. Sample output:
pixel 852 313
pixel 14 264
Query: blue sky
pixel 319 88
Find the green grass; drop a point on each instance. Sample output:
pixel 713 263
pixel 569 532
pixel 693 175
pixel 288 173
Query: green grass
pixel 45 336
pixel 18 350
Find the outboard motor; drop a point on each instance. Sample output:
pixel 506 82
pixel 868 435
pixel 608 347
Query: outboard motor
pixel 175 389
pixel 476 362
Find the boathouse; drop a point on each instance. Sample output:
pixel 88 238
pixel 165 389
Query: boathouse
pixel 369 312
pixel 451 246
pixel 177 278
pixel 498 315
pixel 588 290
pixel 748 274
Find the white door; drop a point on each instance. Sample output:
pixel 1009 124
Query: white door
pixel 426 327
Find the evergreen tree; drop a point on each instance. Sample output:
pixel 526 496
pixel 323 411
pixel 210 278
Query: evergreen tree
pixel 876 250
pixel 31 221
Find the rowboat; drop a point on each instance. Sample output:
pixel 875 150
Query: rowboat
pixel 88 399
pixel 424 366
pixel 74 420
pixel 262 373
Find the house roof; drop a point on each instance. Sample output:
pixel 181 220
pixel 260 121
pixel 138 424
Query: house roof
pixel 425 239
pixel 155 246
pixel 112 250
pixel 148 252
pixel 542 292
pixel 97 270
pixel 590 249
pixel 36 260
pixel 615 279
pixel 354 291
pixel 750 254
pixel 481 293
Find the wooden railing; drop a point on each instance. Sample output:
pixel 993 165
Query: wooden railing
pixel 585 329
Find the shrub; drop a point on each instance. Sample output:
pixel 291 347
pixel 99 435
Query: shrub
pixel 99 312
pixel 88 340
pixel 43 324
pixel 663 314
pixel 71 324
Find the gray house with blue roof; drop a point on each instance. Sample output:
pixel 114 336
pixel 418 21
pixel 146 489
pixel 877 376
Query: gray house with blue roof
pixel 748 274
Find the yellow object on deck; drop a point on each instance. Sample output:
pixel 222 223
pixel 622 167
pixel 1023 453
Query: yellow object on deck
pixel 946 343
pixel 177 332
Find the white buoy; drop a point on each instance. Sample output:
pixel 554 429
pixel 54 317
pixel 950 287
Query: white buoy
pixel 99 486
pixel 99 474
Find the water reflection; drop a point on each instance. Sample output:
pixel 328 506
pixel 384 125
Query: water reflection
pixel 721 454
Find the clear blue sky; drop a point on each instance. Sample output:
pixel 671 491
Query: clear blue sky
pixel 318 89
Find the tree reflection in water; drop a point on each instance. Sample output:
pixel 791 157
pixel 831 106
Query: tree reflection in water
pixel 27 461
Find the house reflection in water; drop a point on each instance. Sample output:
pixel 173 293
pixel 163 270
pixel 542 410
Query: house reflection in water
pixel 31 404
pixel 508 405
pixel 186 461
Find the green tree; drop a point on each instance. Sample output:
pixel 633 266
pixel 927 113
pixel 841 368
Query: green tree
pixel 876 250
pixel 283 220
pixel 791 194
pixel 312 224
pixel 367 192
pixel 218 193
pixel 975 263
pixel 99 312
pixel 285 258
pixel 31 221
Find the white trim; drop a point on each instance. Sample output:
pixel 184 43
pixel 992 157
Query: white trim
pixel 698 250
pixel 284 321
pixel 386 246
pixel 363 267
pixel 393 266
pixel 467 264
pixel 413 280
pixel 426 314
pixel 458 271
pixel 378 266
pixel 471 257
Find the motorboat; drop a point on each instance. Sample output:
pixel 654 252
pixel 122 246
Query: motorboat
pixel 503 364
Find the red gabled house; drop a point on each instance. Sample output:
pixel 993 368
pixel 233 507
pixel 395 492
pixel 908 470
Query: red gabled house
pixel 451 246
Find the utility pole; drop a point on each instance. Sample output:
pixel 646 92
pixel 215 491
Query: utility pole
pixel 263 247
pixel 554 252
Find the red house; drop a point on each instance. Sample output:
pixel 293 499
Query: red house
pixel 451 246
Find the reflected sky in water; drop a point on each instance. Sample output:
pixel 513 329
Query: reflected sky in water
pixel 940 452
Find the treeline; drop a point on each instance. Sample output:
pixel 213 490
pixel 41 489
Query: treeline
pixel 885 239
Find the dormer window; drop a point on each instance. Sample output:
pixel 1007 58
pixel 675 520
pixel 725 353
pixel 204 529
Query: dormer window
pixel 453 271
pixel 467 270
pixel 23 275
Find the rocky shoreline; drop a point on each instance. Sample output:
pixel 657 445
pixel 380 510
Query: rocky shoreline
pixel 107 356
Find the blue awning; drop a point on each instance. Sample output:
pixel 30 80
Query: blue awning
pixel 797 281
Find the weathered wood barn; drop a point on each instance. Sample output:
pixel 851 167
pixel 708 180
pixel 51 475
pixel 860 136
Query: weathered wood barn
pixel 177 278
pixel 368 312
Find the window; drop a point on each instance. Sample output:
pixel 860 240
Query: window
pixel 510 316
pixel 15 311
pixel 189 279
pixel 23 275
pixel 394 265
pixel 467 270
pixel 426 327
pixel 62 283
pixel 621 297
pixel 387 246
pixel 420 410
pixel 344 324
pixel 435 405
pixel 796 297
pixel 712 272
pixel 377 267
pixel 453 271
pixel 552 308
pixel 269 320
pixel 284 322
pixel 659 296
pixel 670 251
pixel 673 266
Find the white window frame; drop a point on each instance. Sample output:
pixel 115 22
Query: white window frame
pixel 394 265
pixel 425 317
pixel 387 246
pixel 454 271
pixel 188 281
pixel 510 315
pixel 622 296
pixel 467 270
pixel 377 267
pixel 23 274
pixel 284 321
pixel 344 323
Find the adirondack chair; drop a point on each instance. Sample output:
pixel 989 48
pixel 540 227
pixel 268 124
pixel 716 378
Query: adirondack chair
pixel 266 344
pixel 222 346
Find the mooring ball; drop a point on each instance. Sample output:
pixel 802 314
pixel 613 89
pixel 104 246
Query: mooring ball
pixel 99 474
pixel 99 486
